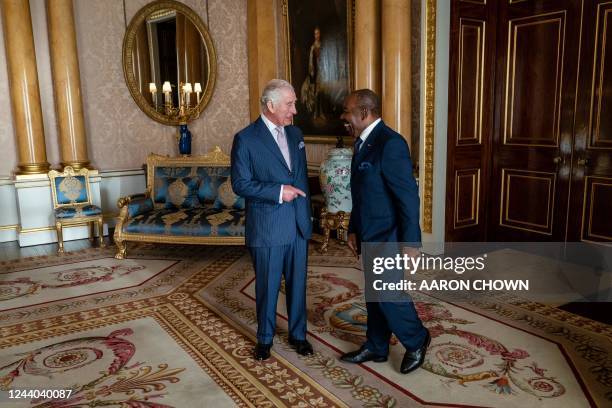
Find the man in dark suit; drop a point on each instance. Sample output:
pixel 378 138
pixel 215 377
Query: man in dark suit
pixel 269 171
pixel 385 209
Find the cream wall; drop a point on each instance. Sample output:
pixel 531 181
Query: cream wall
pixel 119 135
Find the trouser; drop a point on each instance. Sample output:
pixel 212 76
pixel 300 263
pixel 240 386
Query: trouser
pixel 271 263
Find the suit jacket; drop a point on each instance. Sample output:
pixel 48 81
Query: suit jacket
pixel 384 192
pixel 258 171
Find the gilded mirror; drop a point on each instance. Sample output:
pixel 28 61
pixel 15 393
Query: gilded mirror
pixel 165 46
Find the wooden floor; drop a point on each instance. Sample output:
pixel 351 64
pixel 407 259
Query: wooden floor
pixel 11 250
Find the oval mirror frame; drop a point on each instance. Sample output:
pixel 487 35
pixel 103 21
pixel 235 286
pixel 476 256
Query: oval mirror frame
pixel 128 63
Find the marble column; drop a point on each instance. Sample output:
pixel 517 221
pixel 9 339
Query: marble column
pixel 396 63
pixel 367 45
pixel 67 84
pixel 23 82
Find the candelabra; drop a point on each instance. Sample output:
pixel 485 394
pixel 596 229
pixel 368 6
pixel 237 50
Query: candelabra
pixel 183 113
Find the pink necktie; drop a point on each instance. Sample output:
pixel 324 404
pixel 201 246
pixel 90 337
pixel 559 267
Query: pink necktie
pixel 281 139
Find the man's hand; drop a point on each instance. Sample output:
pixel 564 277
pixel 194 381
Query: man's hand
pixel 290 193
pixel 352 244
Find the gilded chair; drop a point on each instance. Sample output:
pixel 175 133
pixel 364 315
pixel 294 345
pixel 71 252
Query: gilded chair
pixel 72 204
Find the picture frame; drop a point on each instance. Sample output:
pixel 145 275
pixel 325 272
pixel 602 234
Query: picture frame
pixel 319 65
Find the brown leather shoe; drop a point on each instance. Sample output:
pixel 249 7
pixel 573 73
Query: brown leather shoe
pixel 414 359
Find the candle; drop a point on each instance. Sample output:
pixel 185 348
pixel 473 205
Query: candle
pixel 167 88
pixel 197 88
pixel 187 89
pixel 152 87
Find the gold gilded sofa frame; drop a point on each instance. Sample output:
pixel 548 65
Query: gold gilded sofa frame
pixel 214 158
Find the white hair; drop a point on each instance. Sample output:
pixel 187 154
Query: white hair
pixel 272 92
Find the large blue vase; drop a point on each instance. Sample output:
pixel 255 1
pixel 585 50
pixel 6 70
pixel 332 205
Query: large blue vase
pixel 184 140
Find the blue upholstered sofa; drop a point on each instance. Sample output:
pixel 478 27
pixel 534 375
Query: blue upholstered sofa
pixel 189 200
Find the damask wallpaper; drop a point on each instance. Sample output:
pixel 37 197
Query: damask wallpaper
pixel 119 135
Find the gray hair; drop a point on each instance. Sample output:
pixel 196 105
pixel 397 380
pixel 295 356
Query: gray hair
pixel 271 92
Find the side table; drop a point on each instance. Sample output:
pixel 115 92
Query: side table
pixel 333 221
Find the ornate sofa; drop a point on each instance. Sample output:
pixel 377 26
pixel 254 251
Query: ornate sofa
pixel 189 200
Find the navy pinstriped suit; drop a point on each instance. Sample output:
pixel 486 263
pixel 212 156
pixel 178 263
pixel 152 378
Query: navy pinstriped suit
pixel 276 234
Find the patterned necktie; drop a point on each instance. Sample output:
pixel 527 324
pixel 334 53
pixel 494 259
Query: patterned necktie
pixel 358 143
pixel 281 139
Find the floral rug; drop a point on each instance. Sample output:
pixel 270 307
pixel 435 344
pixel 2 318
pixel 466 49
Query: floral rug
pixel 174 326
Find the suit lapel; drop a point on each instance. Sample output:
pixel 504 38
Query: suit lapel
pixel 367 146
pixel 268 141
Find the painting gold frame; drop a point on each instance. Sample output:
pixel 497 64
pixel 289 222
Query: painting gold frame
pixel 350 21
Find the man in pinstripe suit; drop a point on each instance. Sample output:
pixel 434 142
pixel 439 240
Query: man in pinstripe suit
pixel 269 171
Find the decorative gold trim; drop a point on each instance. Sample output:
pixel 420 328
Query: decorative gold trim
pixel 480 47
pixel 504 204
pixel 128 46
pixel 584 209
pixel 9 227
pixel 511 66
pixel 430 92
pixel 594 134
pixel 32 168
pixel 475 174
pixel 38 229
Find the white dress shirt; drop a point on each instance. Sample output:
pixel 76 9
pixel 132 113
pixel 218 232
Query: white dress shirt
pixel 366 132
pixel 272 128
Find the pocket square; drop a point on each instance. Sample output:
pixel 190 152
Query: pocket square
pixel 301 145
pixel 365 165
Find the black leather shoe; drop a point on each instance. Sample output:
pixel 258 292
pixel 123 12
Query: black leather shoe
pixel 262 351
pixel 302 347
pixel 414 359
pixel 361 356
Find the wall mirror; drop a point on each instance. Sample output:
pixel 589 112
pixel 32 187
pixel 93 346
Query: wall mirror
pixel 167 45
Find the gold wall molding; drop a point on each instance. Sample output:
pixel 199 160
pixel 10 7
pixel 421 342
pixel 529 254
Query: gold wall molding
pixel 428 134
pixel 9 227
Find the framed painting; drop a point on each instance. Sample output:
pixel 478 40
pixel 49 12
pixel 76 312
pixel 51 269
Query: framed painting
pixel 319 37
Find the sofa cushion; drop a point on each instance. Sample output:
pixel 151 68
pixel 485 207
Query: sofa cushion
pixel 189 221
pixel 77 211
pixel 140 205
pixel 212 178
pixel 175 192
pixel 226 198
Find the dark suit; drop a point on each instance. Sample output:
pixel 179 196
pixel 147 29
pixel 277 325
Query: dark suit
pixel 276 234
pixel 386 209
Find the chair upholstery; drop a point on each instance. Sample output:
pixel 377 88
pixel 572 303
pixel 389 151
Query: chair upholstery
pixel 72 205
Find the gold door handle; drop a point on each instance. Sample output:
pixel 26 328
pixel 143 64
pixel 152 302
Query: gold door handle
pixel 583 161
pixel 558 160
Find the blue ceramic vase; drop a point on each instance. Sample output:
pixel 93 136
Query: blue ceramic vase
pixel 184 140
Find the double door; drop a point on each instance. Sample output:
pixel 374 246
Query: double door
pixel 530 121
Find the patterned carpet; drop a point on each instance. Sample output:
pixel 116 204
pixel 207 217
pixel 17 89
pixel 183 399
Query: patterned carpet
pixel 174 326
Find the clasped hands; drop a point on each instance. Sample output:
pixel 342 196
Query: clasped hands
pixel 290 193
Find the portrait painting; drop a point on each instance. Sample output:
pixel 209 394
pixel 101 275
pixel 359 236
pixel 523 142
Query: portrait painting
pixel 319 37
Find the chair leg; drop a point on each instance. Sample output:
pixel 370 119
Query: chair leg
pixel 101 232
pixel 60 238
pixel 90 227
pixel 121 249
